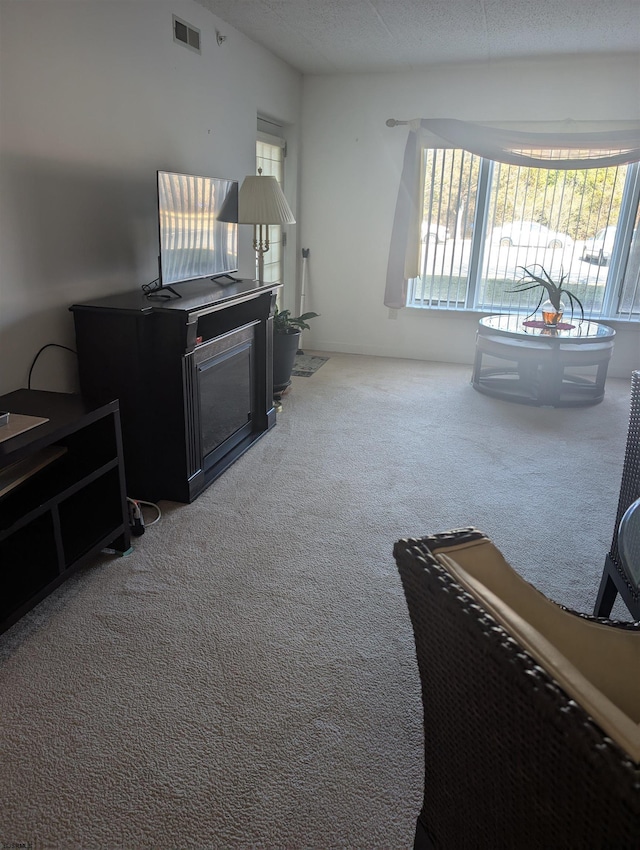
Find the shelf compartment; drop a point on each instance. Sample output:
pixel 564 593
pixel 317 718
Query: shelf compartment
pixel 89 514
pixel 31 563
pixel 86 452
pixel 55 483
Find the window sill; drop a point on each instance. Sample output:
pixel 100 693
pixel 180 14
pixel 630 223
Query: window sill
pixel 467 313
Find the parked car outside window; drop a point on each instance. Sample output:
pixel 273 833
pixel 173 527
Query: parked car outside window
pixel 600 246
pixel 529 233
pixel 434 232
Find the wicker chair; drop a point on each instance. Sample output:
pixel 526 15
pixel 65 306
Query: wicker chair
pixel 614 578
pixel 531 733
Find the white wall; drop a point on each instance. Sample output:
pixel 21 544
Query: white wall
pixel 351 171
pixel 95 97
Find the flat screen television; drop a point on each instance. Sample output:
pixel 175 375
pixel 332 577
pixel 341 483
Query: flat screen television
pixel 194 242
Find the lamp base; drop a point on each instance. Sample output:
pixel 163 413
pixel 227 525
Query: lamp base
pixel 261 246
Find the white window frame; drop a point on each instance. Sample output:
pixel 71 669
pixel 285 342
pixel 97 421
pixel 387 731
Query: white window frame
pixel 618 265
pixel 273 166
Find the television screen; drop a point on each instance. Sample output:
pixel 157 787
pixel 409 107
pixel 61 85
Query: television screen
pixel 194 243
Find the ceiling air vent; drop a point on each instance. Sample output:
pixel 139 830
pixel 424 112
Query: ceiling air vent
pixel 185 34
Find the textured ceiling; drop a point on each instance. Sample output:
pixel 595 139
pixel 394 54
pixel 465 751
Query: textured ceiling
pixel 333 36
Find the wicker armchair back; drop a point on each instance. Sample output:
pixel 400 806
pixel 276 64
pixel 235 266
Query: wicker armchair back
pixel 614 578
pixel 511 761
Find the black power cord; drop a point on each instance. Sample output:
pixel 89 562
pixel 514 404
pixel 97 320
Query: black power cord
pixel 48 345
pixel 156 291
pixel 136 516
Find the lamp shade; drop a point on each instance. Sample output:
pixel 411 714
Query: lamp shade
pixel 262 201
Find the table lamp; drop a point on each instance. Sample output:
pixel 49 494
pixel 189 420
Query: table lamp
pixel 261 202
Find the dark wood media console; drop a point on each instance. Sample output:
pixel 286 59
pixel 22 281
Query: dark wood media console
pixel 193 376
pixel 62 496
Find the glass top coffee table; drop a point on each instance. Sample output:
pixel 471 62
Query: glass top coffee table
pixel 520 359
pixel 629 545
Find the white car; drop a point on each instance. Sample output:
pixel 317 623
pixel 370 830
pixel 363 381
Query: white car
pixel 600 246
pixel 529 233
pixel 434 232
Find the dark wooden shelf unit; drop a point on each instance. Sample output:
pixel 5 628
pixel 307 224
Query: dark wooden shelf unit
pixel 58 518
pixel 193 376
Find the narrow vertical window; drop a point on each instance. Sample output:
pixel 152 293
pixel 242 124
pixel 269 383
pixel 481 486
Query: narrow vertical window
pixel 270 158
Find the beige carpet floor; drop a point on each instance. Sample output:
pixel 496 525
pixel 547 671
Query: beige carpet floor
pixel 246 677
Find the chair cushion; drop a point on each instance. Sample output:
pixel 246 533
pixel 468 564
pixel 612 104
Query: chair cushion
pixel 597 664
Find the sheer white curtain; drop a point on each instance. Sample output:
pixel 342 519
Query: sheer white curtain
pixel 534 145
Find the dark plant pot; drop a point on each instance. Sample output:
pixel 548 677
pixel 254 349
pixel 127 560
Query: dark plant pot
pixel 284 356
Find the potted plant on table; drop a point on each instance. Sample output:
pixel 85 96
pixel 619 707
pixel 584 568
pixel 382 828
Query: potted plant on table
pixel 550 303
pixel 286 342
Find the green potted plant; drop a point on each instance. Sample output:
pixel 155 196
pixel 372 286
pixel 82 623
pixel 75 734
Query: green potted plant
pixel 550 303
pixel 286 342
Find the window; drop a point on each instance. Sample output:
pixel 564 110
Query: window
pixel 483 221
pixel 270 152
